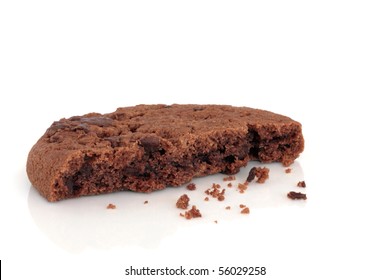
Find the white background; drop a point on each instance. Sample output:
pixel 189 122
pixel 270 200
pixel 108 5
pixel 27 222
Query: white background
pixel 323 63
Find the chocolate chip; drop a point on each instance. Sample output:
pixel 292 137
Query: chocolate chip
pixel 99 121
pixel 114 140
pixel 133 127
pixel 230 159
pixel 296 195
pixel 150 143
pixel 73 189
pixel 84 127
pixel 86 170
pixel 69 183
pixel 57 126
pixel 56 138
pixel 251 175
pixel 75 118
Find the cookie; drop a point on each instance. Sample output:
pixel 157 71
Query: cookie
pixel 149 147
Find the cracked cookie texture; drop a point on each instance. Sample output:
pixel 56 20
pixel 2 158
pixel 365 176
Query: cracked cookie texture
pixel 150 147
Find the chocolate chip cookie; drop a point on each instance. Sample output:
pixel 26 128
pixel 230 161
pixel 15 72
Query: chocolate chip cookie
pixel 149 147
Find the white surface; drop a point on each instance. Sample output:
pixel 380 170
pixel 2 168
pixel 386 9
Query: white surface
pixel 325 65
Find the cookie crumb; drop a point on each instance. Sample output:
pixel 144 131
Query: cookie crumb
pixel 227 207
pixel 262 173
pixel 242 206
pixel 192 213
pixel 288 170
pixel 206 198
pixel 296 195
pixel 146 202
pixel 183 201
pixel 242 187
pixel 215 192
pixel 111 206
pixel 216 221
pixel 301 184
pixel 230 178
pixel 191 187
pixel 230 185
pixel 245 210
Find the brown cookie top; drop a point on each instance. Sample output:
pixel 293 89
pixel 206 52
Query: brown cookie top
pixel 148 124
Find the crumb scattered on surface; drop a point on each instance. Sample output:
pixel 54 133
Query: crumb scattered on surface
pixel 183 201
pixel 216 192
pixel 146 202
pixel 229 178
pixel 296 195
pixel 192 213
pixel 111 206
pixel 191 187
pixel 242 187
pixel 262 173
